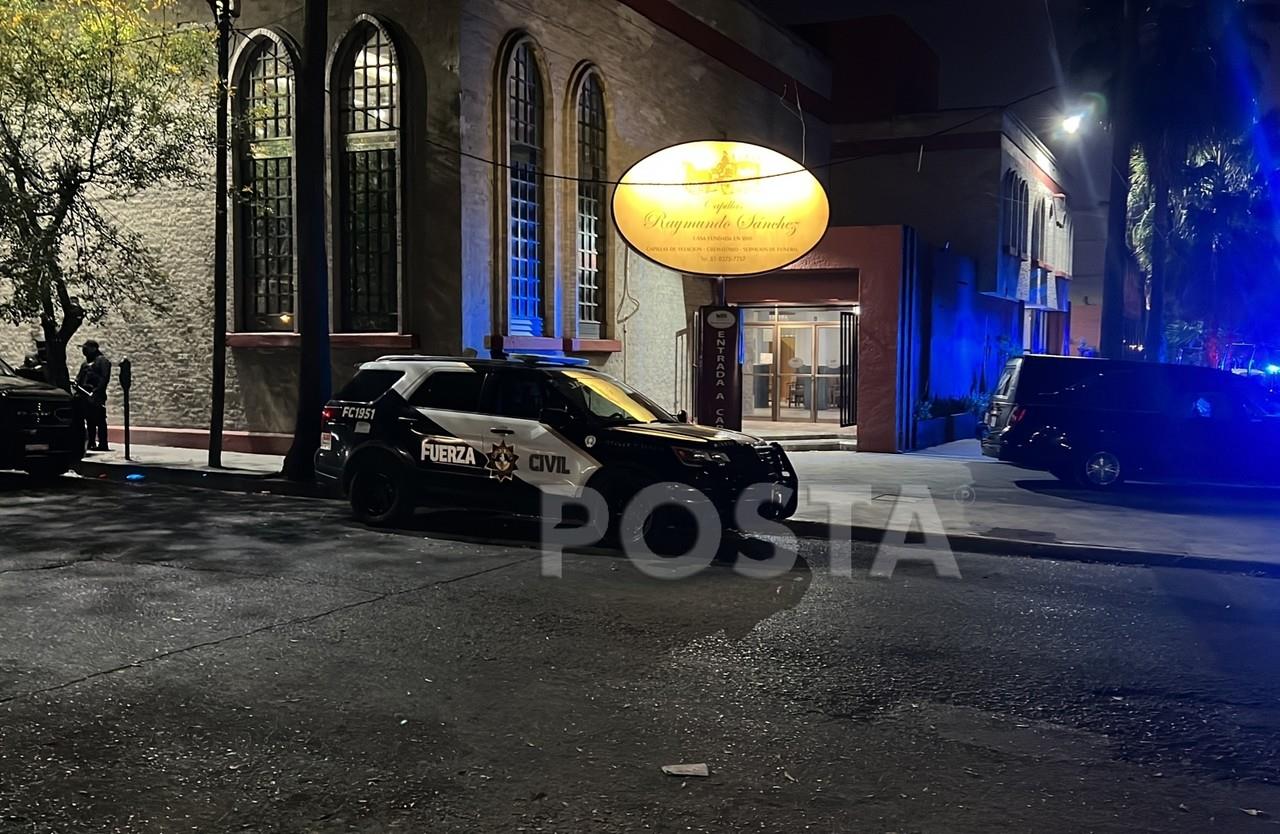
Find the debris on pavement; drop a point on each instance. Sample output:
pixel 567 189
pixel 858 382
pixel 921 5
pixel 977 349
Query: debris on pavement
pixel 699 769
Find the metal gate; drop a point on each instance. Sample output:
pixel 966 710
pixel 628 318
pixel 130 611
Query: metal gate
pixel 848 369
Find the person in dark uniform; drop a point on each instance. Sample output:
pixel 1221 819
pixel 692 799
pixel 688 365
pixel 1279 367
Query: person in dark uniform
pixel 91 384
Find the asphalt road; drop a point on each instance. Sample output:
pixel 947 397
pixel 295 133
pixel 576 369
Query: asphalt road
pixel 183 660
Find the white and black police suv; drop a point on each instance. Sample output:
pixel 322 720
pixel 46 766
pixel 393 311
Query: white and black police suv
pixel 496 434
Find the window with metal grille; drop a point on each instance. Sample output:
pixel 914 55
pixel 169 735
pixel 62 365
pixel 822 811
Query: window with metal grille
pixel 592 145
pixel 265 236
pixel 524 156
pixel 369 182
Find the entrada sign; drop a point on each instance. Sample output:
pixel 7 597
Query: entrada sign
pixel 720 208
pixel 719 371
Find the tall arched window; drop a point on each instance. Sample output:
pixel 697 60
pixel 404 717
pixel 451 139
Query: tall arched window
pixel 1037 233
pixel 592 169
pixel 524 157
pixel 1008 213
pixel 368 181
pixel 264 240
pixel 1022 207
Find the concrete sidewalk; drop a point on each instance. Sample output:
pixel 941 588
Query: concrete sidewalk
pixel 240 472
pixel 987 505
pixel 983 505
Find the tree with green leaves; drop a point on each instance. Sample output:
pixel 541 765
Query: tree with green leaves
pixel 1221 240
pixel 1187 74
pixel 100 100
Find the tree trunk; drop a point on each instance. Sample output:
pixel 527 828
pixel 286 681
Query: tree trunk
pixel 57 336
pixel 1116 258
pixel 313 271
pixel 1154 343
pixel 56 371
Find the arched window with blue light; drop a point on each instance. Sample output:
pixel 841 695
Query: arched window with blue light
pixel 525 208
pixel 592 171
pixel 367 180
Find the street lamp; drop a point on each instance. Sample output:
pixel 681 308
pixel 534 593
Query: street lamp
pixel 1071 124
pixel 224 11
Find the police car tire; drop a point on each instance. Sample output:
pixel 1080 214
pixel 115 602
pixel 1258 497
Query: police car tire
pixel 618 490
pixel 46 472
pixel 392 506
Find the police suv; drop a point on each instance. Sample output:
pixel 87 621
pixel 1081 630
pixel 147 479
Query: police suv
pixel 494 434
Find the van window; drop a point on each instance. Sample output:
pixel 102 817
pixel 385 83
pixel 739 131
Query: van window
pixel 368 385
pixel 1005 386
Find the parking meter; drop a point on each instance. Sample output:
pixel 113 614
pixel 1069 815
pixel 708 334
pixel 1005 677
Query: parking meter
pixel 126 381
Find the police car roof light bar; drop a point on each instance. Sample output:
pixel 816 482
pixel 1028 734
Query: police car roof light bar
pixel 534 359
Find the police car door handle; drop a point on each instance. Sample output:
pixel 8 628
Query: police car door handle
pixel 501 431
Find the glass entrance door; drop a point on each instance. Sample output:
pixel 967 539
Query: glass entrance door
pixel 793 364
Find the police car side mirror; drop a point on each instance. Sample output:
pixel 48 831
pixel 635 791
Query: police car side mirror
pixel 682 416
pixel 556 416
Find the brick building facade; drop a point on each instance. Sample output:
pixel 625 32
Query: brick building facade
pixel 437 251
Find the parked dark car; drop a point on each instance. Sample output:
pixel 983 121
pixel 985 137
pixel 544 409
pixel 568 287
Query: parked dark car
pixel 40 429
pixel 1098 422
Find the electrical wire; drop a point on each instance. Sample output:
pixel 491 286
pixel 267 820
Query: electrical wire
pixel 811 168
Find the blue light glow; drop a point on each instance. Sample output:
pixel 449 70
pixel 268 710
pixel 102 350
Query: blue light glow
pixel 1273 369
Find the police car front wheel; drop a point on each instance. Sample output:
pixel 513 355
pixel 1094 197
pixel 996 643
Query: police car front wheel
pixel 378 495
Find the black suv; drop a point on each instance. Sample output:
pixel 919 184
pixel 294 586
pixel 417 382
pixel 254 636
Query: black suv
pixel 40 429
pixel 1099 422
pixel 496 434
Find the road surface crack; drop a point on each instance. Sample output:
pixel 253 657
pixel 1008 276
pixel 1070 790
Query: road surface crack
pixel 308 618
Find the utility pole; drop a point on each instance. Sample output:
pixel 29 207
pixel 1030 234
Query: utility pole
pixel 224 11
pixel 313 264
pixel 1116 257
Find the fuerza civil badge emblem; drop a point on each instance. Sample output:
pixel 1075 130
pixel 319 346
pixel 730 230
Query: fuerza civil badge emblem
pixel 502 462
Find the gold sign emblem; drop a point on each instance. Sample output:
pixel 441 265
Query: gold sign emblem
pixel 502 462
pixel 721 208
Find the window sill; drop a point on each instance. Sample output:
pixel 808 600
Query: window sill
pixel 592 346
pixel 377 341
pixel 519 343
pixel 515 344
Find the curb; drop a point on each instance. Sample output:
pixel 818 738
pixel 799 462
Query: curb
pixel 231 481
pixel 1059 551
pixel 228 481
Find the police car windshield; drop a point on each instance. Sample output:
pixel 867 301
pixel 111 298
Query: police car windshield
pixel 607 399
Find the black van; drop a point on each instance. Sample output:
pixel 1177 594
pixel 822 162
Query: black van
pixel 1099 422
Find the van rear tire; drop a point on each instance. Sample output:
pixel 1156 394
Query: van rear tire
pixel 1100 470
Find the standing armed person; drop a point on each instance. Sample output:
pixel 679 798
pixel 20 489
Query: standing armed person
pixel 91 385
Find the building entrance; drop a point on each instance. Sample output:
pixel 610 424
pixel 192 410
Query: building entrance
pixel 796 367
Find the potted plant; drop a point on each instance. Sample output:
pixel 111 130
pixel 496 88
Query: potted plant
pixel 931 426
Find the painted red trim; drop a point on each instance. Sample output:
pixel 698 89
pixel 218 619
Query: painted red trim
pixel 732 54
pixel 510 343
pixel 592 345
pixel 259 443
pixel 1045 180
pixel 376 341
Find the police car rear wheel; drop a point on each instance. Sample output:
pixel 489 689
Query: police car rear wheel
pixel 47 472
pixel 378 495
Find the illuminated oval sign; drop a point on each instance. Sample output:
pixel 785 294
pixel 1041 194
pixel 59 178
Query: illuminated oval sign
pixel 720 208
